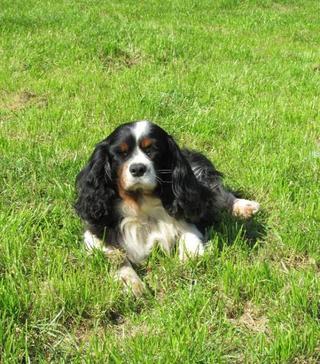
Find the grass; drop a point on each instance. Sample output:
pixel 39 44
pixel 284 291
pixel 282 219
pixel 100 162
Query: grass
pixel 238 80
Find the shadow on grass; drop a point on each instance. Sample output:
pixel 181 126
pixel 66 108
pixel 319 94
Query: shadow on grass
pixel 227 231
pixel 230 229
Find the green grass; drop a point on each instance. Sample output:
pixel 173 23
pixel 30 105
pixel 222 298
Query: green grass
pixel 238 80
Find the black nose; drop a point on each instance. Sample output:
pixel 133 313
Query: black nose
pixel 137 169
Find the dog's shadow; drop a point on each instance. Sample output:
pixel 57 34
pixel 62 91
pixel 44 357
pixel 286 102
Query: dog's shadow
pixel 227 231
pixel 230 229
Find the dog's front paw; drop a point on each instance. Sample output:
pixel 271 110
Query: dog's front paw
pixel 130 278
pixel 190 247
pixel 137 288
pixel 245 208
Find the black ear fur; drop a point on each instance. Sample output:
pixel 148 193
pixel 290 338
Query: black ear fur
pixel 188 198
pixel 95 190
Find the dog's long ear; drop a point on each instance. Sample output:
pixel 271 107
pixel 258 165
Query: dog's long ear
pixel 188 198
pixel 95 190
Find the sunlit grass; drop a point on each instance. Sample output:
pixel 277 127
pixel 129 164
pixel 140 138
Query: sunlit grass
pixel 238 80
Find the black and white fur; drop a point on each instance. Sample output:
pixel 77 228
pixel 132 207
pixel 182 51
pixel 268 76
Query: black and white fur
pixel 140 189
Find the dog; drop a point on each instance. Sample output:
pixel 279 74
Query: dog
pixel 140 189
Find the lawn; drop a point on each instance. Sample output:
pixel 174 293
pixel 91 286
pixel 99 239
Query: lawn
pixel 239 80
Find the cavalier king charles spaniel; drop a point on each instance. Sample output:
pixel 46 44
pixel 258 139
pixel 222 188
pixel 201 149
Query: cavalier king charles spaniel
pixel 140 189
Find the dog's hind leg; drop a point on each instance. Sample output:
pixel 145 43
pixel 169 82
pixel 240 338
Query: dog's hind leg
pixel 221 198
pixel 238 207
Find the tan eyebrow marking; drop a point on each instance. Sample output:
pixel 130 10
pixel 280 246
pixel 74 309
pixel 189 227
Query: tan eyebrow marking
pixel 145 142
pixel 124 147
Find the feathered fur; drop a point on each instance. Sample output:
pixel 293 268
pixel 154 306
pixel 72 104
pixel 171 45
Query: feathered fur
pixel 139 189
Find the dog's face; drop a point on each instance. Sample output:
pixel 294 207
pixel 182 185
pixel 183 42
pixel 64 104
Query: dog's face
pixel 136 154
pixel 137 158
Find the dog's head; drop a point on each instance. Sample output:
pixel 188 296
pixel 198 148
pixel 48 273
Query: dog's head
pixel 137 158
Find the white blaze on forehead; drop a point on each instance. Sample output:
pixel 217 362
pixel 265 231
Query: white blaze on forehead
pixel 141 128
pixel 148 179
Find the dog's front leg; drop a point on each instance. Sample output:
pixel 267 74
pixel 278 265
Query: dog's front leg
pixel 190 243
pixel 130 278
pixel 125 273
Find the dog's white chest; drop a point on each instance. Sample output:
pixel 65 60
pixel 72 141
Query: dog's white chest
pixel 146 226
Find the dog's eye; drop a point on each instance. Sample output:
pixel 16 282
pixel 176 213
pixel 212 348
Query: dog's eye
pixel 124 153
pixel 122 149
pixel 147 151
pixel 150 151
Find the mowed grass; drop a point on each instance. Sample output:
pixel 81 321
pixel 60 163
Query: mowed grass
pixel 238 80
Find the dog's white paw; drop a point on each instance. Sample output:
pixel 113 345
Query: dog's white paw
pixel 190 247
pixel 245 208
pixel 131 280
pixel 91 242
